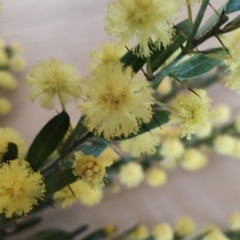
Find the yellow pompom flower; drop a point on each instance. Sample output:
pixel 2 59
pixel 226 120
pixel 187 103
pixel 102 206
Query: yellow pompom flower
pixel 156 177
pixel 80 191
pixel 185 226
pixel 141 19
pixel 90 169
pixel 3 57
pixel 193 159
pixel 116 104
pixel 234 220
pixel 233 44
pixel 192 111
pixel 17 63
pixel 90 196
pixel 165 86
pixel 16 47
pixel 222 112
pixel 237 123
pixel 163 231
pixel 144 144
pixel 5 107
pixel 224 144
pixel 111 52
pixel 140 233
pixel 68 195
pixel 20 188
pixel 7 81
pixel 236 149
pixel 232 79
pixel 50 79
pixel 172 148
pixel 131 174
pixel 8 135
pixel 205 132
pixel 170 131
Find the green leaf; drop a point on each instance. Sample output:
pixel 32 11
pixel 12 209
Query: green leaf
pixel 11 154
pixel 96 235
pixel 126 233
pixel 232 235
pixel 79 131
pixel 197 65
pixel 57 180
pixel 159 57
pixel 212 22
pixel 232 25
pixel 93 147
pixel 131 59
pixel 50 235
pixel 197 21
pixel 232 6
pixel 47 140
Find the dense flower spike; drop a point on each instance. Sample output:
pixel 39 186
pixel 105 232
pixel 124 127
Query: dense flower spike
pixel 131 174
pixel 50 79
pixel 90 169
pixel 8 135
pixel 142 19
pixel 116 104
pixel 144 144
pixel 111 52
pixel 192 111
pixel 20 188
pixel 78 190
pixel 224 144
pixel 7 81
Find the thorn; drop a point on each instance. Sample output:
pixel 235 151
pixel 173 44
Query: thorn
pixel 116 151
pixel 15 224
pixel 157 122
pixel 72 192
pixel 190 89
pixel 48 203
pixel 147 129
pixel 211 6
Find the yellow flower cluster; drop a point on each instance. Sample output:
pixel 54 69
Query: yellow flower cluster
pixel 117 104
pixel 110 52
pixel 156 177
pixel 78 190
pixel 185 226
pixel 142 20
pixel 5 106
pixel 163 231
pixel 192 111
pixel 20 188
pixel 50 80
pixel 140 233
pixel 144 144
pixel 90 169
pixel 131 174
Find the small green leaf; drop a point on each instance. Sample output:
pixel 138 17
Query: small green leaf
pixel 131 59
pixel 11 154
pixel 58 180
pixel 79 131
pixel 197 21
pixel 51 234
pixel 159 57
pixel 232 6
pixel 94 146
pixel 47 140
pixel 197 65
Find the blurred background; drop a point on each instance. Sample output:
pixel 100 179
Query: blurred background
pixel 68 30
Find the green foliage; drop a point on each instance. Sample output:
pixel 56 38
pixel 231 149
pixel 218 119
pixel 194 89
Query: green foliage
pixel 47 140
pixel 58 179
pixel 197 65
pixel 232 6
pixel 96 235
pixel 11 154
pixel 126 233
pixel 52 234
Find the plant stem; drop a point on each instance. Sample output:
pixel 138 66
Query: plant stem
pixel 189 9
pixel 149 67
